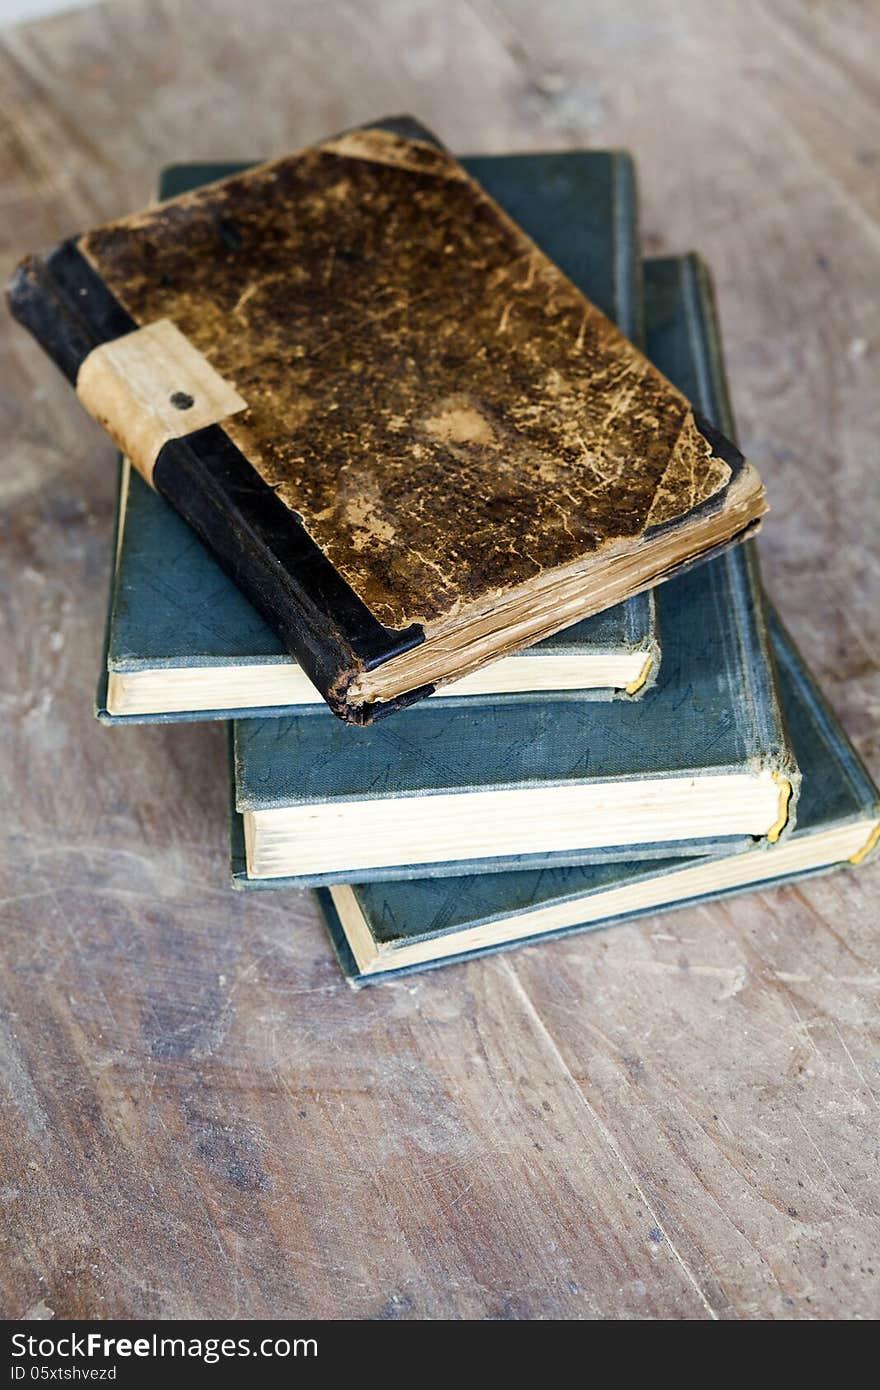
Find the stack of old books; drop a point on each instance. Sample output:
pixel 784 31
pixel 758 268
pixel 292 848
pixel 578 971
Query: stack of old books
pixel 389 454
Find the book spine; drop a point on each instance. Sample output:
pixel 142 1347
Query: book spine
pixel 642 621
pixel 67 307
pixel 628 295
pixel 103 682
pixel 339 941
pixel 863 785
pixel 768 731
pixel 272 558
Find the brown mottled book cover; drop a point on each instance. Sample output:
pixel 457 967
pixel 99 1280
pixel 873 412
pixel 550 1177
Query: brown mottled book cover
pixel 404 432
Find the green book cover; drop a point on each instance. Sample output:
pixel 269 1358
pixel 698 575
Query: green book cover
pixel 384 928
pixel 448 786
pixel 701 764
pixel 387 928
pixel 183 642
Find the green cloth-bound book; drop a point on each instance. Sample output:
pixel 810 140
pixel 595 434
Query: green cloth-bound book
pixel 183 642
pixel 382 929
pixel 448 787
pixel 385 928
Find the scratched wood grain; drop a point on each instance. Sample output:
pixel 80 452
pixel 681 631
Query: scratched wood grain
pixel 672 1119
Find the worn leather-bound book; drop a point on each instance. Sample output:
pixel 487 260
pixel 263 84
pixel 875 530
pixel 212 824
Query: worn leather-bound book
pixel 407 435
pixel 183 642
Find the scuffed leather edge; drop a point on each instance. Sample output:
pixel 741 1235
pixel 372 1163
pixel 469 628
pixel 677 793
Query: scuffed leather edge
pixel 67 307
pixel 269 554
pixel 721 448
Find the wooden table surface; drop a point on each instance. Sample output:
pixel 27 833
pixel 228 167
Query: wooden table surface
pixel 677 1118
